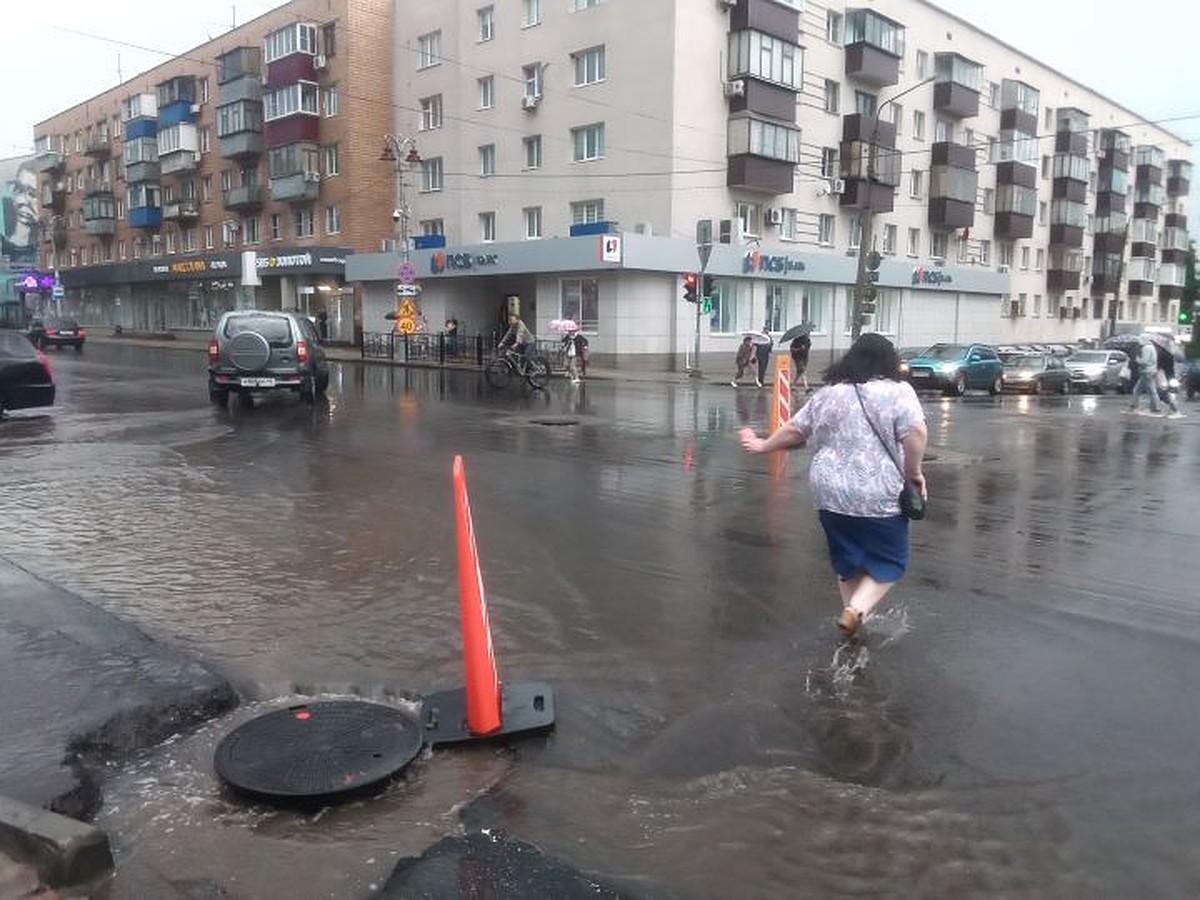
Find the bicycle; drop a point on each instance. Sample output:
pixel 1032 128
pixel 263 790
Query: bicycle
pixel 511 363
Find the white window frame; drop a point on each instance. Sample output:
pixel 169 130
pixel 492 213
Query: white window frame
pixel 487 160
pixel 333 219
pixel 429 49
pixel 332 159
pixel 532 217
pixel 586 212
pixel 913 247
pixel 431 113
pixel 531 13
pixel 833 96
pixel 826 229
pixel 531 147
pixel 487 91
pixel 487 227
pixel 332 101
pixel 789 224
pixel 587 142
pixel 486 16
pixel 589 65
pixel 432 175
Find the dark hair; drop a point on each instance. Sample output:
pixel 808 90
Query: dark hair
pixel 871 356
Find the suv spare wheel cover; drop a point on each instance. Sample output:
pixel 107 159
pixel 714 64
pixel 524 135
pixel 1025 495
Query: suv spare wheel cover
pixel 249 351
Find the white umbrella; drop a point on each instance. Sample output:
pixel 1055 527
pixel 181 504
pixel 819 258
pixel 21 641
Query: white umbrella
pixel 563 326
pixel 757 337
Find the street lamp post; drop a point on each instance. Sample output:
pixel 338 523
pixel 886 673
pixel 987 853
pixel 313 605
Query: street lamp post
pixel 402 152
pixel 866 216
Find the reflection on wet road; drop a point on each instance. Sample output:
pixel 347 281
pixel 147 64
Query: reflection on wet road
pixel 1019 721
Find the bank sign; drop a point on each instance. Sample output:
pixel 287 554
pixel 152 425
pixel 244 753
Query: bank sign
pixel 441 261
pixel 923 277
pixel 757 261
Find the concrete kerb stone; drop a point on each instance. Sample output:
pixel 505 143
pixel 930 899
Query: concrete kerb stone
pixel 64 852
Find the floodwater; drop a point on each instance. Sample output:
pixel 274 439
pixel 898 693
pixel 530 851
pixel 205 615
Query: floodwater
pixel 1019 722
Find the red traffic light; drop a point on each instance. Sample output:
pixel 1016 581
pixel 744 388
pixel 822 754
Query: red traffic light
pixel 690 282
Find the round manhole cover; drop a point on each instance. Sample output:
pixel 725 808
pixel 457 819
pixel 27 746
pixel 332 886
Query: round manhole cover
pixel 318 752
pixel 555 420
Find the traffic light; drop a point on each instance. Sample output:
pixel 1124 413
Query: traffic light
pixel 690 281
pixel 709 287
pixel 866 300
pixel 1185 315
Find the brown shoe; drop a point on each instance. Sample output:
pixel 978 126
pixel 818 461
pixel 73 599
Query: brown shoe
pixel 849 621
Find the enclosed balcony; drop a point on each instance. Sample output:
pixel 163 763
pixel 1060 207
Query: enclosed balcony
pixel 241 62
pixel 762 155
pixel 870 164
pixel 245 198
pixel 953 186
pixel 99 216
pixel 874 47
pixel 1071 133
pixel 1063 270
pixel 766 16
pixel 1149 162
pixel 1016 200
pixel 1112 187
pixel 59 190
pixel 179 161
pixel 181 211
pixel 1142 275
pixel 48 160
pixel 298 187
pixel 98 145
pixel 1068 219
pixel 1148 199
pixel 97 187
pixel 1179 178
pixel 1019 107
pixel 1106 274
pixel 1070 173
pixel 1111 232
pixel 1171 280
pixel 176 101
pixel 1114 148
pixel 957 82
pixel 1143 238
pixel 765 73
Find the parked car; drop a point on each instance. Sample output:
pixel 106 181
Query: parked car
pixel 957 368
pixel 1036 373
pixel 25 377
pixel 54 331
pixel 1098 371
pixel 265 350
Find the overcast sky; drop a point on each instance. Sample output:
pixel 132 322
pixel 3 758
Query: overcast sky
pixel 1142 55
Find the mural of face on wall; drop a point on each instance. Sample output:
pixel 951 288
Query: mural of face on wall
pixel 18 210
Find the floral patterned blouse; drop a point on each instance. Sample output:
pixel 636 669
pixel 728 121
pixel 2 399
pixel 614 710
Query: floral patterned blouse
pixel 851 473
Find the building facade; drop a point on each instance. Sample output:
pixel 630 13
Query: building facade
pixel 266 139
pixel 1010 203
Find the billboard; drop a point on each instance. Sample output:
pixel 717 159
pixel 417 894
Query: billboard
pixel 19 210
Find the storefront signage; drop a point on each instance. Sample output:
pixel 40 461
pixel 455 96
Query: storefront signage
pixel 291 260
pixel 922 276
pixel 757 261
pixel 190 267
pixel 35 281
pixel 440 261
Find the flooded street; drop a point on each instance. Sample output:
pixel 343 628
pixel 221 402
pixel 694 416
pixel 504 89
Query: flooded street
pixel 1020 721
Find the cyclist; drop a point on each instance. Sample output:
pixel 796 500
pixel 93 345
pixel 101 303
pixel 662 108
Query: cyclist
pixel 521 338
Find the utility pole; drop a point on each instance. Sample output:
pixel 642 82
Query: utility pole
pixel 704 251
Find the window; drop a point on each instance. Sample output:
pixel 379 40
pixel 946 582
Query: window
pixel 206 188
pixel 943 131
pixel 120 252
pixel 487 159
pixel 432 226
pixel 487 227
pixel 297 38
pixel 922 65
pixel 429 49
pixel 332 160
pixel 1043 209
pixel 587 142
pixel 202 90
pixel 533 222
pixel 761 138
pixel 985 253
pixel 577 5
pixel 170 241
pixel 916 183
pixel 243 115
pixel 580 302
pixel 487 91
pixel 833 27
pixel 993 94
pixel 487 22
pixel 918 125
pixel 250 230
pixel 431 174
pixel 208 237
pixel 767 58
pixel 533 151
pixel 787 224
pixel 303 222
pixel 1037 301
pixel 864 103
pixel 333 219
pixel 1045 167
pixel 586 211
pixel 889 240
pixel 205 139
pixel 826 227
pixel 749 217
pixel 1024 257
pixel 226 181
pixel 854 238
pixel 829 162
pixel 1006 254
pixel 938 241
pixel 897 116
pixel 332 102
pixel 1040 259
pixel 963 247
pixel 589 65
pixel 731 307
pixel 531 12
pixel 532 74
pixel 276 226
pixel 989 201
pixel 431 113
pixel 832 90
pixel 291 100
pixel 293 159
pixel 914 241
pixel 329 38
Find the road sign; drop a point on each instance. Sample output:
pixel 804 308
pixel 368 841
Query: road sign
pixel 706 306
pixel 406 273
pixel 705 251
pixel 408 290
pixel 58 292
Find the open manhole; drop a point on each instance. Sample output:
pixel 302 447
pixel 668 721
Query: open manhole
pixel 555 421
pixel 318 753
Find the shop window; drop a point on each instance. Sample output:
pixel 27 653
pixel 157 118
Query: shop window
pixel 580 301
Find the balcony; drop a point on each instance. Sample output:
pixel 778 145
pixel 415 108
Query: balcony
pixel 48 160
pixel 60 189
pixel 953 185
pixel 869 163
pixel 149 217
pixel 97 187
pixel 1016 200
pixel 243 145
pixel 245 198
pixel 766 17
pixel 141 171
pixel 1113 147
pixel 874 47
pixel 956 90
pixel 55 233
pixel 101 226
pixel 98 146
pixel 1179 178
pixel 1063 271
pixel 756 173
pixel 300 187
pixel 180 161
pixel 181 211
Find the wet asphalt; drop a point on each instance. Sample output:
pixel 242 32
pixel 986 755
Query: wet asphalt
pixel 1018 723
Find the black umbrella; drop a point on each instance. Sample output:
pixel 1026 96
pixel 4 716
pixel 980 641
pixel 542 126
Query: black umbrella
pixel 796 331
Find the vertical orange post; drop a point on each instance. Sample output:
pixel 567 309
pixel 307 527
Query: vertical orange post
pixel 483 683
pixel 781 408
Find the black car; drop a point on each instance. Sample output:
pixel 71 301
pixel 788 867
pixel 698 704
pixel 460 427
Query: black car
pixel 55 331
pixel 25 377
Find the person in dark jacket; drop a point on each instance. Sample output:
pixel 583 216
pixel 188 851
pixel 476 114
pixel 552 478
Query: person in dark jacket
pixel 744 354
pixel 799 349
pixel 764 356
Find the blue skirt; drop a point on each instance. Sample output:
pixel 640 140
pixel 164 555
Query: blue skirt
pixel 856 544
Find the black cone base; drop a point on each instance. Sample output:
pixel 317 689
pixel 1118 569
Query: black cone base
pixel 526 708
pixel 318 753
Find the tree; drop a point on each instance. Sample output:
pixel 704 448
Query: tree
pixel 1191 293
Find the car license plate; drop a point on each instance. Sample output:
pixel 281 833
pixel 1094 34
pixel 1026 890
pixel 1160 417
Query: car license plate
pixel 67 333
pixel 919 374
pixel 256 382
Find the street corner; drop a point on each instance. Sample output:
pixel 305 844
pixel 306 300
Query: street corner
pixel 39 848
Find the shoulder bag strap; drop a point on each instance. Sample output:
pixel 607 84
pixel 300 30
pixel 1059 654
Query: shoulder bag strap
pixel 871 422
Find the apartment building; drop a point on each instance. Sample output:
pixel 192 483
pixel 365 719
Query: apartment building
pixel 252 158
pixel 568 148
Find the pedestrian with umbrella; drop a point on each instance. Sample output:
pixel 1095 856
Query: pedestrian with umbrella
pixel 799 348
pixel 745 353
pixel 1147 378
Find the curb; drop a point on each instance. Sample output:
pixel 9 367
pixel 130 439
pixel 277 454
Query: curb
pixel 61 850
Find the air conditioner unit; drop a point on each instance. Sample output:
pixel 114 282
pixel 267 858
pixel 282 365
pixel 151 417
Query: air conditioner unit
pixel 774 216
pixel 387 245
pixel 727 4
pixel 312 177
pixel 531 101
pixel 837 186
pixel 1002 269
pixel 195 109
pixel 736 88
pixel 320 62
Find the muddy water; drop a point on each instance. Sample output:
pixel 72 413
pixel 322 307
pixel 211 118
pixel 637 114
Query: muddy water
pixel 1018 723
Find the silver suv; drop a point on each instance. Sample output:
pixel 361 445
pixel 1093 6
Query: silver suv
pixel 256 350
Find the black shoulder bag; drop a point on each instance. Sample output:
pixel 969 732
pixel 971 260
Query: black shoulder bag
pixel 912 504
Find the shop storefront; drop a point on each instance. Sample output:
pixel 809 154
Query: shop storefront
pixel 627 295
pixel 167 294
